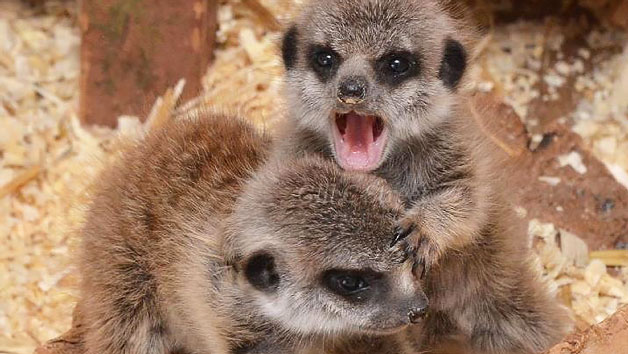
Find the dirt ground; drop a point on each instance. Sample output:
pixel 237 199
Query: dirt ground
pixel 559 85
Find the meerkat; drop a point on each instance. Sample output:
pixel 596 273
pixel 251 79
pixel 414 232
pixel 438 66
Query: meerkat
pixel 185 250
pixel 377 87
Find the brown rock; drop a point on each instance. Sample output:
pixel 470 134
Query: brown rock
pixel 70 343
pixel 619 15
pixel 133 50
pixel 593 205
pixel 610 336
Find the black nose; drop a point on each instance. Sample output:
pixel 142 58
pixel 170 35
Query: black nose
pixel 416 314
pixel 352 90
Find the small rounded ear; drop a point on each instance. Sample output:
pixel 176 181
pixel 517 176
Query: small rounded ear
pixel 261 272
pixel 289 47
pixel 453 64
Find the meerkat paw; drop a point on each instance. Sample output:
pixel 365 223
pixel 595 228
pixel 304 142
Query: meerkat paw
pixel 416 244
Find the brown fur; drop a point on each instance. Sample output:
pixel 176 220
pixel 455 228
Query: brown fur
pixel 457 221
pixel 134 232
pixel 172 235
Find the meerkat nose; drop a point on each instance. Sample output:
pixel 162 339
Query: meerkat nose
pixel 352 90
pixel 416 314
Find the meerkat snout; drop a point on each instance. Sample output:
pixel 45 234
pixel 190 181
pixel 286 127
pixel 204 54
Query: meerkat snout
pixel 416 314
pixel 396 63
pixel 352 90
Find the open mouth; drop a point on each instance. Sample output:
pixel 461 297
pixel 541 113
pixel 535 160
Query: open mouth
pixel 359 141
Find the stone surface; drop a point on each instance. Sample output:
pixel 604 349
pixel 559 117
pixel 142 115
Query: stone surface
pixel 592 205
pixel 133 50
pixel 70 343
pixel 511 10
pixel 610 336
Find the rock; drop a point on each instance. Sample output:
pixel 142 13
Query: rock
pixel 69 343
pixel 614 12
pixel 610 336
pixel 131 53
pixel 619 16
pixel 591 205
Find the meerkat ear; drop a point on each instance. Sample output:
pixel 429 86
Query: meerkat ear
pixel 289 47
pixel 261 272
pixel 454 63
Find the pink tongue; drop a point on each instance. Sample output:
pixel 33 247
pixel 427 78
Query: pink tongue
pixel 359 133
pixel 357 144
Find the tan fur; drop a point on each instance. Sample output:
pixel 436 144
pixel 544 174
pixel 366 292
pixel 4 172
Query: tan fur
pixel 457 220
pixel 178 181
pixel 174 228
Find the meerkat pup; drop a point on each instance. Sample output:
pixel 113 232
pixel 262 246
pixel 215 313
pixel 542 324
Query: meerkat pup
pixel 184 251
pixel 375 85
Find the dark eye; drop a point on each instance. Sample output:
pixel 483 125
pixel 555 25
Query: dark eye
pixel 351 284
pixel 346 284
pixel 325 59
pixel 399 65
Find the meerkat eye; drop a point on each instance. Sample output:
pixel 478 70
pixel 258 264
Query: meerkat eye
pixel 396 67
pixel 399 65
pixel 345 283
pixel 351 284
pixel 325 59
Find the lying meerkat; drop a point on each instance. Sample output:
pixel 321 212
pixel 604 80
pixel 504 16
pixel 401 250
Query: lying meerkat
pixel 184 251
pixel 375 86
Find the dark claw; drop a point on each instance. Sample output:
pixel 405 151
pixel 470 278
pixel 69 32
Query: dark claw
pixel 415 267
pixel 400 234
pixel 426 269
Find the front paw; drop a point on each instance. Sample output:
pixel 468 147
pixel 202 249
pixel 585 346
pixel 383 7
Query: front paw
pixel 417 245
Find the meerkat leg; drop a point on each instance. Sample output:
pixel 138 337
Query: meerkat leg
pixel 493 302
pixel 133 332
pixel 508 328
pixel 121 312
pixel 527 321
pixel 496 326
pixel 445 220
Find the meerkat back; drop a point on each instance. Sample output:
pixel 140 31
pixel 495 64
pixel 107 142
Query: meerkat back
pixel 191 168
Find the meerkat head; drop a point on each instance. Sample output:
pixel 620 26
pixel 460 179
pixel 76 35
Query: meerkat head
pixel 367 74
pixel 313 248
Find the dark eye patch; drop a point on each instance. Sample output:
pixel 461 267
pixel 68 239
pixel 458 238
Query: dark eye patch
pixel 324 61
pixel 289 47
pixel 353 285
pixel 261 272
pixel 396 67
pixel 454 63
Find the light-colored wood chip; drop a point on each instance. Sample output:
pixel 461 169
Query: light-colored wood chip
pixel 612 258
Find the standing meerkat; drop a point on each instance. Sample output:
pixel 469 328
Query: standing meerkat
pixel 183 251
pixel 375 86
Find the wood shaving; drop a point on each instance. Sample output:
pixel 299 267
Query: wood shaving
pixel 593 294
pixel 552 181
pixel 601 118
pixel 573 160
pixel 515 59
pixel 47 160
pixel 46 163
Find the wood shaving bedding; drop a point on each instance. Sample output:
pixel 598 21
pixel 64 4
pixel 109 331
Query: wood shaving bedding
pixel 47 159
